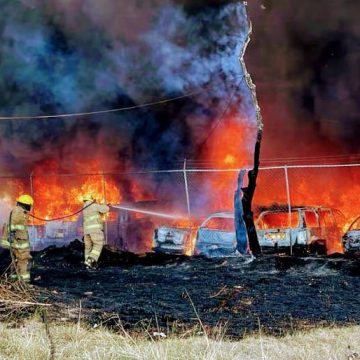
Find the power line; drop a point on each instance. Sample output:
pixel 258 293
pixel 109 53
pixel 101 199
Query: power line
pixel 106 111
pixel 29 117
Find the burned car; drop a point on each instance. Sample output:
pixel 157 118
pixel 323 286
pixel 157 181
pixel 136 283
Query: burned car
pixel 351 239
pixel 304 227
pixel 172 240
pixel 176 238
pixel 216 236
pixel 129 231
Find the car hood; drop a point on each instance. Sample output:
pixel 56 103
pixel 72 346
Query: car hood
pixel 216 236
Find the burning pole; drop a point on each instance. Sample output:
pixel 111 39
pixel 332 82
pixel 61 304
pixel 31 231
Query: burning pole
pixel 243 208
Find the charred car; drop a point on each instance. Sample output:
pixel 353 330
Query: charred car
pixel 351 239
pixel 306 227
pixel 172 240
pixel 176 238
pixel 216 236
pixel 130 231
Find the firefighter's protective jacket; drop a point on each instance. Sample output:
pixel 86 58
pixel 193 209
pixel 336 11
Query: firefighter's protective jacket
pixel 16 231
pixel 93 223
pixel 19 223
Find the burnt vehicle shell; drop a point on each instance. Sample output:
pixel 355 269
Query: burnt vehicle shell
pixel 216 236
pixel 212 239
pixel 314 228
pixel 127 232
pixel 311 229
pixel 351 238
pixel 171 240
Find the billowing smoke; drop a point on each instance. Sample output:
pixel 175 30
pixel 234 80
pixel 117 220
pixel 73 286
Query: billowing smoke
pixel 304 60
pixel 80 56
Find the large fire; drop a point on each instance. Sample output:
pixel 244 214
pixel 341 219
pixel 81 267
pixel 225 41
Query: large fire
pixel 230 145
pixel 61 195
pixel 229 148
pixel 335 187
pixel 58 195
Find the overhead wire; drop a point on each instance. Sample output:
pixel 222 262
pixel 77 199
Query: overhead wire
pixel 115 110
pixel 107 111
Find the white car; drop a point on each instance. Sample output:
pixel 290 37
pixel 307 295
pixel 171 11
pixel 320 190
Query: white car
pixel 304 227
pixel 172 240
pixel 351 238
pixel 216 236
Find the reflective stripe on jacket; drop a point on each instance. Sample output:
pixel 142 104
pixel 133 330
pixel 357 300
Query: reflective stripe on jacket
pixel 92 217
pixel 18 223
pixel 20 245
pixel 17 227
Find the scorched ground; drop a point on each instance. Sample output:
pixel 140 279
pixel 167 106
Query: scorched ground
pixel 280 293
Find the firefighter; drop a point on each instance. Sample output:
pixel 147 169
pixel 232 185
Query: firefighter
pixel 18 238
pixel 93 229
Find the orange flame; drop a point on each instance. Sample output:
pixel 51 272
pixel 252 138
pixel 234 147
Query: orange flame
pixel 232 146
pixel 57 196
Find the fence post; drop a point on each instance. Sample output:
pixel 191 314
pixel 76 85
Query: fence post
pixel 187 202
pixel 289 205
pixel 33 210
pixel 186 190
pixel 105 222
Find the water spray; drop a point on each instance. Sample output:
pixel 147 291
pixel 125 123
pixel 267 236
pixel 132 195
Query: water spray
pixel 153 213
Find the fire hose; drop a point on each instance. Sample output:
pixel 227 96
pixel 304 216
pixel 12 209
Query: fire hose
pixel 62 217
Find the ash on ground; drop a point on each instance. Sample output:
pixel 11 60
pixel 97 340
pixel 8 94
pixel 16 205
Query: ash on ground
pixel 274 292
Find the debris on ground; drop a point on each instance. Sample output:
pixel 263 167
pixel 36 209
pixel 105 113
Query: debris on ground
pixel 276 292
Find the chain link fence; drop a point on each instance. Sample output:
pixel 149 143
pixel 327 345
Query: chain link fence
pixel 183 197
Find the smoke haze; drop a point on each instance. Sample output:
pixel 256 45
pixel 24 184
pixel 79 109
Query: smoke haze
pixel 78 56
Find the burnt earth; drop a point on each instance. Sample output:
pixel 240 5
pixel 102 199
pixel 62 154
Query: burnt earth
pixel 277 293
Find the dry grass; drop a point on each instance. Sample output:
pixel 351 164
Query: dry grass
pixel 76 342
pixel 17 300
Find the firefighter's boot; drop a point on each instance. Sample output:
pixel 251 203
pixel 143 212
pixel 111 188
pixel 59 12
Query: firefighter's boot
pixel 90 263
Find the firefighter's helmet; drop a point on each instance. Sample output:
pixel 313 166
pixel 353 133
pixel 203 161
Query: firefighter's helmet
pixel 87 197
pixel 25 199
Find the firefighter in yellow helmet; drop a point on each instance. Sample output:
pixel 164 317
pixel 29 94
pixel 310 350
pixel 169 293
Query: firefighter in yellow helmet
pixel 18 237
pixel 93 229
